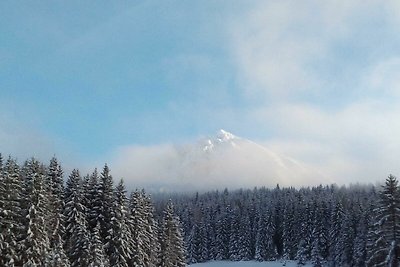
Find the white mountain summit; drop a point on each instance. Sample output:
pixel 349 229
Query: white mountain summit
pixel 231 161
pixel 223 160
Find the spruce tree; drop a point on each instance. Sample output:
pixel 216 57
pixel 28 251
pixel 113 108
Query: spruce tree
pixel 55 221
pixel 386 250
pixel 151 243
pixel 93 201
pixel 172 245
pixel 222 229
pixel 97 253
pixel 234 236
pixel 137 226
pixel 119 236
pixel 245 250
pixel 10 213
pixel 106 204
pixel 194 247
pixel 35 243
pixel 77 240
pixel 335 231
pixel 265 246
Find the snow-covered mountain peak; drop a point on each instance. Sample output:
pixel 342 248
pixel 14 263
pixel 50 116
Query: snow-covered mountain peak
pixel 221 160
pixel 221 139
pixel 224 136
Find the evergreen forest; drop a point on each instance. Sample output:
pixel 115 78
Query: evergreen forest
pixel 56 220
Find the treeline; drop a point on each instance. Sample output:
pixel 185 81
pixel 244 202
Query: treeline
pixel 328 226
pixel 90 222
pixel 87 222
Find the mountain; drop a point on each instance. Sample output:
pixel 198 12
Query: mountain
pixel 232 161
pixel 216 162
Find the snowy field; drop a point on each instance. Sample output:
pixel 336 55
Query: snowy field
pixel 247 264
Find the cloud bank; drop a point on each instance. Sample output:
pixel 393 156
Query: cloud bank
pixel 208 164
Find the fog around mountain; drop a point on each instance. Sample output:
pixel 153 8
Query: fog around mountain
pixel 223 160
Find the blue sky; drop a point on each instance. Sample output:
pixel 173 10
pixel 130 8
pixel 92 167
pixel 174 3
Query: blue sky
pixel 316 80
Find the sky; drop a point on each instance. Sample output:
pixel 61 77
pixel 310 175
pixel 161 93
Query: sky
pixel 318 81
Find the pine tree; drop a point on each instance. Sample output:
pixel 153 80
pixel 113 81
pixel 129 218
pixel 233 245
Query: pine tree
pixel 289 233
pixel 234 236
pixel 319 248
pixel 35 243
pixel 93 201
pixel 137 226
pixel 10 212
pixel 222 229
pixel 119 236
pixel 76 233
pixel 265 246
pixel 151 243
pixel 244 239
pixel 207 230
pixel 55 220
pixel 57 256
pixel 172 246
pixel 360 242
pixel 306 233
pixel 194 248
pixel 335 251
pixel 387 250
pixel 301 255
pixel 106 204
pixel 97 254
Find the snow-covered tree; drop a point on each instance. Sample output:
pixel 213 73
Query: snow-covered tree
pixel 93 201
pixel 77 239
pixel 119 236
pixel 137 226
pixel 55 221
pixel 386 251
pixel 10 212
pixel 172 245
pixel 97 253
pixel 151 243
pixel 35 243
pixel 106 204
pixel 265 246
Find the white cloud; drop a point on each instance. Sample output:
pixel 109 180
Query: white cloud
pixel 357 143
pixel 240 164
pixel 279 46
pixel 384 78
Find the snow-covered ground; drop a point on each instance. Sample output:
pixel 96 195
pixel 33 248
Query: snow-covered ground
pixel 246 264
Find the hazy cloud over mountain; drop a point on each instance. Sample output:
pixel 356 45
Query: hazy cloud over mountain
pixel 218 162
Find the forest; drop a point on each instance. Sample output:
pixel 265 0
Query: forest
pixel 324 225
pixel 87 222
pixel 48 219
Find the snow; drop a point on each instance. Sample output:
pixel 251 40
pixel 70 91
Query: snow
pixel 247 264
pixel 223 136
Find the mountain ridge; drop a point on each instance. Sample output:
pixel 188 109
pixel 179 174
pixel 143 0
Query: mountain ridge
pixel 222 160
